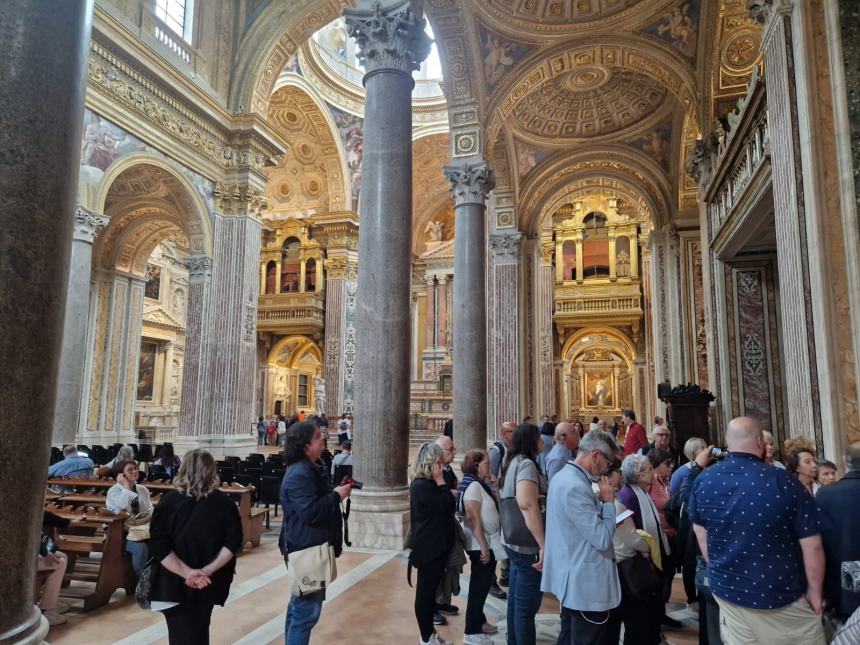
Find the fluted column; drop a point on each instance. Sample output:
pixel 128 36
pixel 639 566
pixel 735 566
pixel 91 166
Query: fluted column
pixel 580 269
pixel 42 94
pixel 544 289
pixel 392 44
pixel 430 322
pixel 67 416
pixel 471 181
pixel 194 409
pixel 503 345
pixel 443 311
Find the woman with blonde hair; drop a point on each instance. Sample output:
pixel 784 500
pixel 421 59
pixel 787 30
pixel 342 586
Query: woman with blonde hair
pixel 431 508
pixel 194 535
pixel 768 450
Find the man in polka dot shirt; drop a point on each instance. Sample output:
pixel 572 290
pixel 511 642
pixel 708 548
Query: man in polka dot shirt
pixel 758 531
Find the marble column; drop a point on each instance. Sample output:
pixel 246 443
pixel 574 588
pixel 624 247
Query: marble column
pixel 443 311
pixel 67 416
pixel 392 44
pixel 430 318
pixel 471 181
pixel 193 408
pixel 41 115
pixel 503 326
pixel 580 270
pixel 225 376
pixel 543 310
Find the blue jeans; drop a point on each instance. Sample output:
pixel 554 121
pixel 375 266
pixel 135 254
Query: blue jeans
pixel 524 598
pixel 302 614
pixel 139 552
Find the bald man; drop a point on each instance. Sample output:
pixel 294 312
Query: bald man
pixel 566 443
pixel 758 531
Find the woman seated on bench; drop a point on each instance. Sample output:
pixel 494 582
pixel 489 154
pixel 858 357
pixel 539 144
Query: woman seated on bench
pixel 126 453
pixel 127 496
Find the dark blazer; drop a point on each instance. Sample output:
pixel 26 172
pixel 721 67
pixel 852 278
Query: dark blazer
pixel 839 514
pixel 431 510
pixel 195 530
pixel 311 508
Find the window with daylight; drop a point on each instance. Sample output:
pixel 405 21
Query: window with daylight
pixel 178 15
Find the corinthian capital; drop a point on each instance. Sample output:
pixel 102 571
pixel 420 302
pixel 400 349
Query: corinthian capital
pixel 389 38
pixel 199 267
pixel 88 224
pixel 506 247
pixel 471 180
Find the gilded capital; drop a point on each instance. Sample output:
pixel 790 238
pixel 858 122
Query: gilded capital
pixel 471 180
pixel 88 224
pixel 390 38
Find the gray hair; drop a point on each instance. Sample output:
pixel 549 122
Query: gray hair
pixel 597 440
pixel 428 454
pixel 126 453
pixel 631 468
pixel 693 446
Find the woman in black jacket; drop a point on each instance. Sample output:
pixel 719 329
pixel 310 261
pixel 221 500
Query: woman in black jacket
pixel 194 534
pixel 432 507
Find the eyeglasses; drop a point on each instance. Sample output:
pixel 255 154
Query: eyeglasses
pixel 603 454
pixel 662 434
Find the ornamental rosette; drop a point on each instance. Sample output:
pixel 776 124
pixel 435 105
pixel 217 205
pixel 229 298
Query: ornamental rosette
pixel 391 38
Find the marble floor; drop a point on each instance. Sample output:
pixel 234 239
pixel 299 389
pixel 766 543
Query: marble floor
pixel 370 603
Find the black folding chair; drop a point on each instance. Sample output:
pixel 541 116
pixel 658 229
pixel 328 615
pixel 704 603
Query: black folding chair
pixel 268 492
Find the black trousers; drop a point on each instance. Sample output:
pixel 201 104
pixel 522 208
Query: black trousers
pixel 642 618
pixel 589 627
pixel 188 623
pixel 429 577
pixel 709 617
pixel 479 587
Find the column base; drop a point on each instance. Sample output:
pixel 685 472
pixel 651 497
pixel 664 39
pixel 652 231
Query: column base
pixel 33 632
pixel 379 519
pixel 216 445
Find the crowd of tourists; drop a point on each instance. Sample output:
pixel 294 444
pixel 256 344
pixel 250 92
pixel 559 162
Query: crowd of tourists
pixel 768 552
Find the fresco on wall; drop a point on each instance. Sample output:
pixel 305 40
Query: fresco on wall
pixel 528 157
pixel 351 129
pixel 152 289
pixel 678 26
pixel 657 144
pixel 499 54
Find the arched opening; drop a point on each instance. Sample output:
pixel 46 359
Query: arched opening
pixel 595 246
pixel 140 303
pixel 311 275
pixel 290 265
pixel 293 371
pixel 271 276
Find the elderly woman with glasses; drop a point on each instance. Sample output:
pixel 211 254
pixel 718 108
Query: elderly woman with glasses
pixel 642 614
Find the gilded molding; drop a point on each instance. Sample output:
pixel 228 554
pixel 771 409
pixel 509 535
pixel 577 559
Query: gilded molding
pixel 393 38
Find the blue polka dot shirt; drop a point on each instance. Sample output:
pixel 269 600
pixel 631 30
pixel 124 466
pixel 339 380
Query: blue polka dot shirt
pixel 755 515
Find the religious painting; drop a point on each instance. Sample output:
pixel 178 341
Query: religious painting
pixel 499 55
pixel 153 282
pixel 351 129
pixel 528 157
pixel 146 370
pixel 598 389
pixel 678 26
pixel 657 144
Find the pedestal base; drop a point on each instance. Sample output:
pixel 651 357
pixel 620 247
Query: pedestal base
pixel 32 633
pixel 379 519
pixel 216 445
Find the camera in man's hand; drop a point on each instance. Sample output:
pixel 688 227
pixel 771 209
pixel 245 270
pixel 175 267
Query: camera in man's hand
pixel 349 481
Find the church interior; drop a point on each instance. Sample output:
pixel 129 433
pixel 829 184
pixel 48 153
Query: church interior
pixel 233 209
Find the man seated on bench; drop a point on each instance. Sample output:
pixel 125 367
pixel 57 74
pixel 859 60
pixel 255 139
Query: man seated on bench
pixel 50 569
pixel 73 466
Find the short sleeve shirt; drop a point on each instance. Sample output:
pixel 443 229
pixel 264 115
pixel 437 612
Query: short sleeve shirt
pixel 489 519
pixel 755 515
pixel 526 470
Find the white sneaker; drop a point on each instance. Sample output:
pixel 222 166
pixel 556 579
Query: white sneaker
pixel 477 639
pixel 435 639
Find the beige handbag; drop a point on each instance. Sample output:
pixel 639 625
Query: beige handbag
pixel 312 569
pixel 137 527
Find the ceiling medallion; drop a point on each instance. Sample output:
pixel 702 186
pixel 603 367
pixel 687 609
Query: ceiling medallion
pixel 585 79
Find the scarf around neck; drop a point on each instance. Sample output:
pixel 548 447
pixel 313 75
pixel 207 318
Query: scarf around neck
pixel 650 517
pixel 465 483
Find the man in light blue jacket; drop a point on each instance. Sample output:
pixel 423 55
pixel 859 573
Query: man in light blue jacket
pixel 579 561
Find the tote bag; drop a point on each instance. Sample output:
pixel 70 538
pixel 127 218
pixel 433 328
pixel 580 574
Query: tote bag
pixel 312 569
pixel 514 528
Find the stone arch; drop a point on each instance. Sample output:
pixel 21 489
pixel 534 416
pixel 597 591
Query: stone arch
pixel 570 350
pixel 302 345
pixel 325 131
pixel 623 163
pixel 196 222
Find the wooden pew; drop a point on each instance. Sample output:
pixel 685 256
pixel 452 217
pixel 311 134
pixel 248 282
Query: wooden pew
pixel 100 533
pixel 253 519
